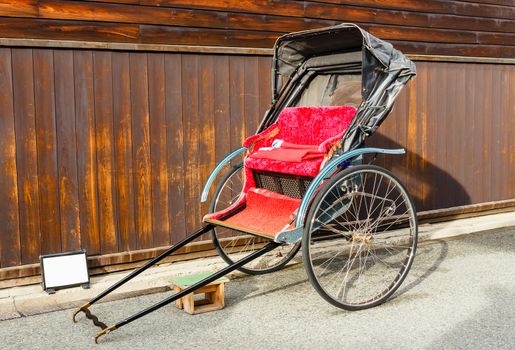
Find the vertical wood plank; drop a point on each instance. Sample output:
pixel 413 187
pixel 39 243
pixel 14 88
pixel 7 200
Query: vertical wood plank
pixel 128 238
pixel 10 254
pixel 504 83
pixel 487 118
pixel 105 154
pixel 511 131
pixel 26 154
pixel 222 108
pixel 141 148
pixel 237 100
pixel 251 97
pixel 499 112
pixel 424 186
pixel 265 88
pixel 398 135
pixel 470 87
pixel 448 127
pixel 477 129
pixel 444 127
pixel 461 121
pixel 67 150
pixel 507 148
pixel 411 157
pixel 46 141
pixel 431 175
pixel 207 145
pixel 86 150
pixel 175 143
pixel 190 103
pixel 496 117
pixel 158 149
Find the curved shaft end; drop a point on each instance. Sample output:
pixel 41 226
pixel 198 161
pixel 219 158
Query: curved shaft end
pixel 104 332
pixel 83 308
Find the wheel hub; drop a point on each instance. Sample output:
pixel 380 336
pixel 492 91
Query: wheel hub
pixel 365 237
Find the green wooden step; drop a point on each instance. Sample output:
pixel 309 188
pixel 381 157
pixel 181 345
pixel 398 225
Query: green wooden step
pixel 186 281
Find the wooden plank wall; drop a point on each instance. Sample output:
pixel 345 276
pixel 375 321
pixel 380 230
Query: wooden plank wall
pixel 437 27
pixel 456 122
pixel 108 151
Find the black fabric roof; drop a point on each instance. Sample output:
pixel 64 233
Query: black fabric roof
pixel 384 70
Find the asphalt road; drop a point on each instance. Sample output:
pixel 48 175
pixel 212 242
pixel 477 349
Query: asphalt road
pixel 460 294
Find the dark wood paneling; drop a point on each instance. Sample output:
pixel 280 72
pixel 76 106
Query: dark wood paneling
pixel 191 134
pixel 222 112
pixel 103 93
pixel 158 149
pixel 132 137
pixel 437 27
pixel 175 139
pixel 86 150
pixel 458 145
pixel 46 142
pixel 26 154
pixel 141 148
pixel 206 113
pixel 435 6
pixel 69 208
pixel 10 253
pixel 67 30
pixel 122 118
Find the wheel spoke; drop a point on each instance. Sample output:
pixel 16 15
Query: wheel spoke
pixel 368 240
pixel 233 245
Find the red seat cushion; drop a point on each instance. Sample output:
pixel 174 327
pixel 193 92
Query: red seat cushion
pixel 305 127
pixel 306 168
pixel 313 125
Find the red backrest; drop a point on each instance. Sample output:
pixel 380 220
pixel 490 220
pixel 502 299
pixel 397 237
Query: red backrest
pixel 313 125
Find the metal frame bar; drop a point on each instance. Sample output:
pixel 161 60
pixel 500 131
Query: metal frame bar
pixel 328 169
pixel 216 170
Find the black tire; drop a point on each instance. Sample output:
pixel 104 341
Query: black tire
pixel 231 186
pixel 359 242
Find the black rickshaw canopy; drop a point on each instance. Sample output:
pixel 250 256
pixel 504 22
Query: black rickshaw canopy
pixel 341 49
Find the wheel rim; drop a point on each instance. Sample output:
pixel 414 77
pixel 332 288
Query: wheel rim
pixel 234 245
pixel 362 238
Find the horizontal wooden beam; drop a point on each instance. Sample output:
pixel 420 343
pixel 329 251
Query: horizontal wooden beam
pixel 312 15
pixel 28 274
pixel 434 6
pixel 298 8
pixel 252 51
pixel 99 45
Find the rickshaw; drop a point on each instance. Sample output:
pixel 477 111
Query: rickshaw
pixel 306 179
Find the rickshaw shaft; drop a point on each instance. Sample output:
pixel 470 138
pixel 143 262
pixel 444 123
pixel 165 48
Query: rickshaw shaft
pixel 270 246
pixel 154 261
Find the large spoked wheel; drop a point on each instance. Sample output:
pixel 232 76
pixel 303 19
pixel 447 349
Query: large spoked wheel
pixel 233 245
pixel 360 237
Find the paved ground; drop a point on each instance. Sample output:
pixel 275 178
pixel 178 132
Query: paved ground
pixel 459 294
pixel 32 300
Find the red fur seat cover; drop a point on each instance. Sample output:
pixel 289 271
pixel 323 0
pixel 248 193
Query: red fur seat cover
pixel 310 132
pixel 301 128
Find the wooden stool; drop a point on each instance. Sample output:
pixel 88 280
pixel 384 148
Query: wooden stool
pixel 213 294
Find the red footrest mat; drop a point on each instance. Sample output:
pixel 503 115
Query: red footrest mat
pixel 266 212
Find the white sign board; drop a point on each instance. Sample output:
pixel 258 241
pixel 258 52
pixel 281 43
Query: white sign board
pixel 64 270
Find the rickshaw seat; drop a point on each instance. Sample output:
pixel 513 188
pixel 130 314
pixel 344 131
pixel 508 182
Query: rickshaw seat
pixel 307 136
pixel 299 141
